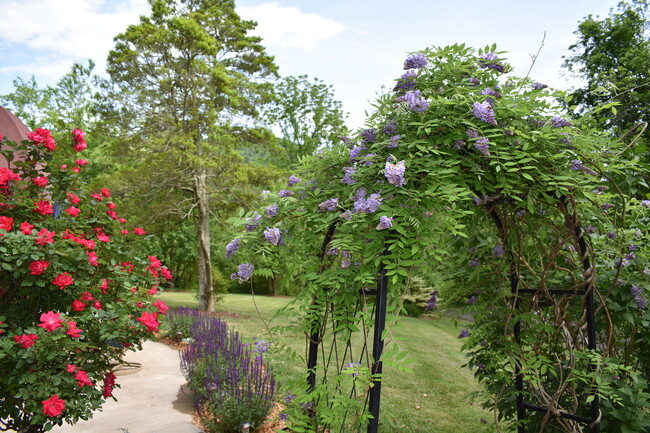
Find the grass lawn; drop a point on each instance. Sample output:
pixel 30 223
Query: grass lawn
pixel 431 399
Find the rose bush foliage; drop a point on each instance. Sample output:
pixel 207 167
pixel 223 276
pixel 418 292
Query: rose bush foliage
pixel 456 146
pixel 76 291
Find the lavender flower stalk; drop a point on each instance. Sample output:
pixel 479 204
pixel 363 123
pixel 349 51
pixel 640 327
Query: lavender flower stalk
pixel 395 173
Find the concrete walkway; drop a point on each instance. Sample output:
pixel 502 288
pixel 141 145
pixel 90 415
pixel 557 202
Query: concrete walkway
pixel 151 400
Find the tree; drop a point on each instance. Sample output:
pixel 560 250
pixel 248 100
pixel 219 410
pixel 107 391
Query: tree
pixel 612 57
pixel 307 116
pixel 184 77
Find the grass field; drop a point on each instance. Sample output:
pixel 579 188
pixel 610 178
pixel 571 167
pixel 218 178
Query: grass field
pixel 431 399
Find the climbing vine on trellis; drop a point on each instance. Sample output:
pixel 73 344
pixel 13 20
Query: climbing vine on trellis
pixel 455 147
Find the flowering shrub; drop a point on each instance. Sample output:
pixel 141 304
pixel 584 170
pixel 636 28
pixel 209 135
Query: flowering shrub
pixel 75 293
pixel 470 171
pixel 231 382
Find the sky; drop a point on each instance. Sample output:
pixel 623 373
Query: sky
pixel 356 46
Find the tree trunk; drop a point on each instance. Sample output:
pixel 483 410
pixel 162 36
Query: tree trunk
pixel 206 291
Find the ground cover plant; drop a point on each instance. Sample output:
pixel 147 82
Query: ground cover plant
pixel 76 285
pixel 465 167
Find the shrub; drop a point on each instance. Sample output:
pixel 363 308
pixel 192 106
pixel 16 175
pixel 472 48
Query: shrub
pixel 75 293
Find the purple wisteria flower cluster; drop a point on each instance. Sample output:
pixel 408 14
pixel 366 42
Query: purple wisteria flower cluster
pixel 369 205
pixel 244 272
pixel 482 144
pixel 415 101
pixel 349 172
pixel 489 61
pixel 415 61
pixel 285 193
pixel 272 210
pixel 395 173
pixel 407 81
pixel 645 203
pixel 577 165
pixel 558 122
pixel 330 205
pixel 356 152
pixel 484 111
pixel 293 179
pixel 253 222
pixel 272 235
pixel 640 300
pixel 390 128
pixel 368 135
pixel 232 248
pixel 385 223
pixel 394 141
pixel 432 302
pixel 539 86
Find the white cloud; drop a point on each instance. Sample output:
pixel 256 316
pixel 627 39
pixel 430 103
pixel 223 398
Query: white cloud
pixel 289 27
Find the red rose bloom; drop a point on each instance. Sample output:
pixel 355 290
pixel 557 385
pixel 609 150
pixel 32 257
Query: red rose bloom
pixel 53 406
pixel 139 231
pixel 6 223
pixel 44 207
pixel 62 280
pixel 87 296
pixel 161 306
pixel 73 211
pixel 73 331
pixel 81 162
pixel 106 193
pixel 82 378
pixel 73 198
pixel 45 237
pixel 150 320
pixel 40 181
pixel 38 267
pixel 26 341
pixel 77 305
pixel 26 228
pixel 50 321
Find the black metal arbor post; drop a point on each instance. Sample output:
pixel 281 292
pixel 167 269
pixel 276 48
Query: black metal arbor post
pixel 381 294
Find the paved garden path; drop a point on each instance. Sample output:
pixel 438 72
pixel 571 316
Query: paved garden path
pixel 151 400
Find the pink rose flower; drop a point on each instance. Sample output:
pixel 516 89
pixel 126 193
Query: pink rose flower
pixel 50 321
pixel 53 406
pixel 38 267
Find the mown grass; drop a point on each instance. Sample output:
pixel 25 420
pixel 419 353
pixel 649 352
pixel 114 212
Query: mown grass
pixel 433 398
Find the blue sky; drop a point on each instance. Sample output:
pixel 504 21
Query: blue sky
pixel 356 46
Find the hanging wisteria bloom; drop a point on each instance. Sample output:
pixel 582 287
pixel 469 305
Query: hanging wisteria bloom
pixel 293 179
pixel 244 272
pixel 539 86
pixel 345 263
pixel 415 61
pixel 645 203
pixel 385 223
pixel 577 165
pixel 491 92
pixel 232 247
pixel 483 145
pixel 558 122
pixel 483 111
pixel 356 152
pixel 433 301
pixel 272 235
pixel 349 172
pixel 488 61
pixel 639 299
pixel 394 141
pixel 463 334
pixel 368 135
pixel 407 81
pixel 390 128
pixel 367 206
pixel 330 204
pixel 285 193
pixel 498 251
pixel 253 222
pixel 272 210
pixel 347 215
pixel 395 173
pixel 415 100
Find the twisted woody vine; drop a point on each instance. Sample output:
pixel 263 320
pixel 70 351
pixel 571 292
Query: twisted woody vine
pixel 476 175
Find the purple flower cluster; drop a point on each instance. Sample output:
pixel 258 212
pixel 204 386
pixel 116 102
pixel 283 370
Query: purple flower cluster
pixel 415 61
pixel 488 61
pixel 474 81
pixel 607 206
pixel 415 100
pixel 232 247
pixel 459 144
pixel 395 173
pixel 262 346
pixel 356 151
pixel 252 222
pixel 491 92
pixel 577 165
pixel 394 141
pixel 475 262
pixel 352 367
pixel 349 172
pixel 390 128
pixel 463 334
pixel 539 86
pixel 345 263
pixel 368 159
pixel 407 81
pixel 272 235
pixel 483 111
pixel 433 301
pixel 483 145
pixel 385 223
pixel 272 210
pixel 293 179
pixel 558 122
pixel 369 205
pixel 330 204
pixel 285 193
pixel 637 295
pixel 244 272
pixel 498 251
pixel 368 135
pixel 645 203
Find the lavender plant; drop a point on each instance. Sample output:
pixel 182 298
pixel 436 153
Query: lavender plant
pixel 232 383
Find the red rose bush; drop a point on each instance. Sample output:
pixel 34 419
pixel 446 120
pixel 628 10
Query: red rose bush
pixel 76 288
